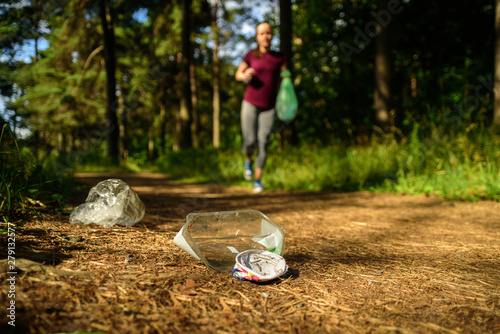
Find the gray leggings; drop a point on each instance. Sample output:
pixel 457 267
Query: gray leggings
pixel 256 125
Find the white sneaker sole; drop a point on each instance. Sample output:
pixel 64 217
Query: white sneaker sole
pixel 248 175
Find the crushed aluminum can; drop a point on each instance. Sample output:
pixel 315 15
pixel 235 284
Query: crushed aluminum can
pixel 259 265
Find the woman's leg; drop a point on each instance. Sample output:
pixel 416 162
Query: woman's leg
pixel 265 127
pixel 249 128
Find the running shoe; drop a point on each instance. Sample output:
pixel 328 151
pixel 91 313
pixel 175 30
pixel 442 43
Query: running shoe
pixel 257 186
pixel 248 170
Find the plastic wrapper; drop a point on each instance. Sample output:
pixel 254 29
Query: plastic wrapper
pixel 216 238
pixel 111 202
pixel 286 101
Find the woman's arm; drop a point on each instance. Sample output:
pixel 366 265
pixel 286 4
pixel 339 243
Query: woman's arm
pixel 244 72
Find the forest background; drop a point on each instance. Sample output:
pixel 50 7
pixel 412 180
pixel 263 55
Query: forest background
pixel 394 95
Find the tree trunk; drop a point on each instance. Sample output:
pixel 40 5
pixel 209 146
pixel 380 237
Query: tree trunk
pixel 195 124
pixel 286 133
pixel 111 129
pixel 35 24
pixel 286 30
pixel 151 136
pixel 216 79
pixel 496 107
pixel 183 119
pixel 382 95
pixel 163 122
pixel 122 114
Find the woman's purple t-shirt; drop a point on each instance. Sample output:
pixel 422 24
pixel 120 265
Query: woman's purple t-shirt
pixel 262 90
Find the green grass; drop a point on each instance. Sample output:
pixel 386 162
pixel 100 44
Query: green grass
pixel 13 175
pixel 26 186
pixel 461 165
pixel 455 166
pixel 203 166
pixel 304 168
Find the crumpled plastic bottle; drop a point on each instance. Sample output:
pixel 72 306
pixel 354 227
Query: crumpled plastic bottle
pixel 111 202
pixel 216 238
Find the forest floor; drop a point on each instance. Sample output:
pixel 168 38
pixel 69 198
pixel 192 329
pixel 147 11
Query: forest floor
pixel 359 262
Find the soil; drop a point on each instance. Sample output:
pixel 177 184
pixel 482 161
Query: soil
pixel 359 262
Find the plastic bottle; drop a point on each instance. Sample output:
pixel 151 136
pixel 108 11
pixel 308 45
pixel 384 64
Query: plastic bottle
pixel 216 238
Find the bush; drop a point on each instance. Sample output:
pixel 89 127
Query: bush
pixel 24 183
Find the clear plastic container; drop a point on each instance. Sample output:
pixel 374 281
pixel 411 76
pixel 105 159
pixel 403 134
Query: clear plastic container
pixel 216 238
pixel 111 202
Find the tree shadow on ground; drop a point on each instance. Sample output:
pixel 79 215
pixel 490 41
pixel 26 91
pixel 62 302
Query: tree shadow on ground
pixel 169 201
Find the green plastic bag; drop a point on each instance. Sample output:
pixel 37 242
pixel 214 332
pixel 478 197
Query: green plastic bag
pixel 286 101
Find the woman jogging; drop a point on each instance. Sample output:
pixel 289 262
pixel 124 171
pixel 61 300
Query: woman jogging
pixel 260 69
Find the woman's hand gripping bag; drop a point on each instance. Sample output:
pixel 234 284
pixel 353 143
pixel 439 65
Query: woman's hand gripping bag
pixel 286 101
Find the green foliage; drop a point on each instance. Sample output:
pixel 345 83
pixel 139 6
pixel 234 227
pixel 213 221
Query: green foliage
pixel 441 93
pixel 26 186
pixel 463 166
pixel 435 77
pixel 204 166
pixel 14 175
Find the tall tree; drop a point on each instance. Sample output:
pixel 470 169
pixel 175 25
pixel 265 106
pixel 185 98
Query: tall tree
pixel 20 23
pixel 382 93
pixel 195 122
pixel 60 94
pixel 496 107
pixel 183 120
pixel 111 129
pixel 216 78
pixel 286 47
pixel 286 30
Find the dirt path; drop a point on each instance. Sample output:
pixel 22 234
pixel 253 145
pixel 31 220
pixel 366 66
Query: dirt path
pixel 359 263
